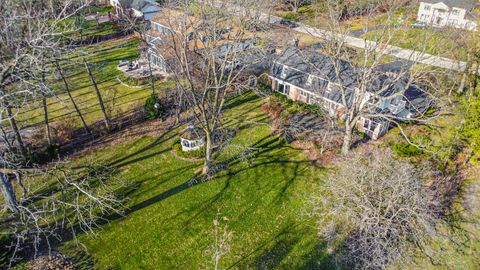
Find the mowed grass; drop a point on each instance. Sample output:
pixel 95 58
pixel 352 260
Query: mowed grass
pixel 103 59
pixel 169 224
pixel 430 41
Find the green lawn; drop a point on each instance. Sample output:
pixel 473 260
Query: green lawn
pixel 169 224
pixel 118 99
pixel 431 41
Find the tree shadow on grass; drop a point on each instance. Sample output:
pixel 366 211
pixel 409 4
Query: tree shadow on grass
pixel 276 252
pixel 161 139
pixel 239 100
pixel 319 258
pixel 262 159
pixel 5 241
pixel 82 260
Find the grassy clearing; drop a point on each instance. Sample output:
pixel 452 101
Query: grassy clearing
pixel 118 98
pixel 78 27
pixel 169 224
pixel 431 41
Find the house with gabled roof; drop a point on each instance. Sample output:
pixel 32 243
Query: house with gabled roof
pixel 145 9
pixel 310 77
pixel 453 13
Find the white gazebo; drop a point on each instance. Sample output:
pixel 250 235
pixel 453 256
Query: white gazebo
pixel 192 139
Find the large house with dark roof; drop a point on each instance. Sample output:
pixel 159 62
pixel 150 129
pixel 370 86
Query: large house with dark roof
pixel 453 13
pixel 310 77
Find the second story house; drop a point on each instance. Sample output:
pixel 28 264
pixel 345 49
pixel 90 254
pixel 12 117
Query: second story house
pixel 162 25
pixel 310 77
pixel 452 13
pixel 145 9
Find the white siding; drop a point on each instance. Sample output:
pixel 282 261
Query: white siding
pixel 440 15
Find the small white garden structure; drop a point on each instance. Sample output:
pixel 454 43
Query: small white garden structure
pixel 192 139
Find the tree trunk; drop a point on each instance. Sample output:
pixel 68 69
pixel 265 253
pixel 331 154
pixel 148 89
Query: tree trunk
pixel 8 193
pixel 152 78
pixel 217 261
pixel 476 76
pixel 20 184
pixel 461 87
pixel 5 140
pixel 347 139
pixel 178 108
pixel 16 131
pixel 208 154
pixel 48 134
pixel 99 96
pixel 45 119
pixel 67 88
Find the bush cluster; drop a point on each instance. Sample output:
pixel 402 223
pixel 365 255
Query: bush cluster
pixel 51 152
pixel 405 150
pixel 293 107
pixel 150 111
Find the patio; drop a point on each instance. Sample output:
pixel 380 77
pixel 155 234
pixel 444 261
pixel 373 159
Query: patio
pixel 139 69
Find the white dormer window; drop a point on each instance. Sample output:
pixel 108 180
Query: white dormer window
pixel 455 12
pixel 333 87
pixel 283 75
pixel 309 80
pixel 427 7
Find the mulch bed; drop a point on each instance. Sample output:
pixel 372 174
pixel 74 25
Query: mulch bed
pixel 54 261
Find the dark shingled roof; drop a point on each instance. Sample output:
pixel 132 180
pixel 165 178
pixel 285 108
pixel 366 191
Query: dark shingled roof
pixel 303 63
pixel 246 52
pixel 466 4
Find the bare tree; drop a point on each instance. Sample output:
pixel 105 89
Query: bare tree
pixel 67 89
pixel 29 33
pixel 203 53
pixel 379 206
pixel 295 4
pixel 81 200
pixel 466 48
pixel 222 239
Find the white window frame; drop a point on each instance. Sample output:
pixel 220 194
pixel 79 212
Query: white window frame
pixel 455 12
pixel 427 7
pixel 303 93
pixel 286 88
pixel 371 124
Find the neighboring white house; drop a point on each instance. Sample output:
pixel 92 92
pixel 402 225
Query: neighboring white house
pixel 453 13
pixel 145 9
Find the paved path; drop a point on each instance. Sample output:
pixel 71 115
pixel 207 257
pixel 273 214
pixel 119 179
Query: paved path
pixel 401 53
pixel 101 19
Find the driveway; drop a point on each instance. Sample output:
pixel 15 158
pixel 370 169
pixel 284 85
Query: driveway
pixel 360 32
